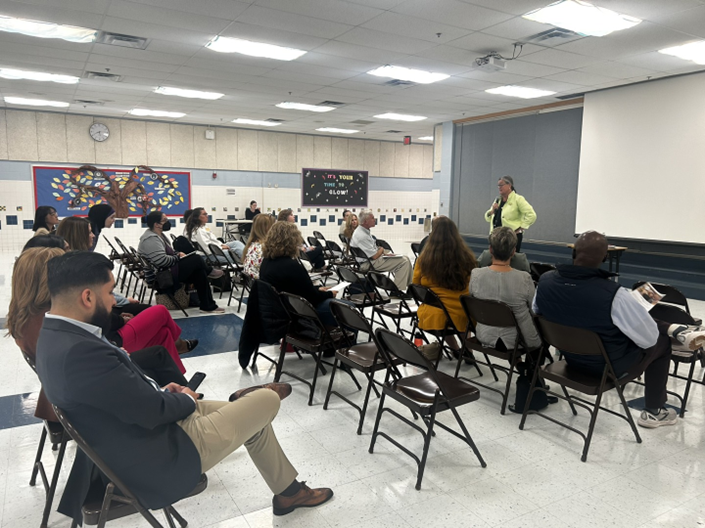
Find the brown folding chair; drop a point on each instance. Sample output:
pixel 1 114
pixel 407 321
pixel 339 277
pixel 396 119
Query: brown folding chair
pixel 363 357
pixel 118 500
pixel 427 394
pixel 397 311
pixel 585 343
pixel 497 314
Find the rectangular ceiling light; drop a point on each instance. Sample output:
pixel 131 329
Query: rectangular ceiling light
pixel 37 28
pixel 519 91
pixel 191 94
pixel 35 102
pixel 408 74
pixel 307 107
pixel 9 73
pixel 254 49
pixel 426 138
pixel 333 130
pixel 400 117
pixel 256 122
pixel 582 17
pixel 694 51
pixel 155 113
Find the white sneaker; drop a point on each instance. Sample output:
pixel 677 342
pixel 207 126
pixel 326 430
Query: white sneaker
pixel 216 310
pixel 691 337
pixel 652 421
pixel 215 274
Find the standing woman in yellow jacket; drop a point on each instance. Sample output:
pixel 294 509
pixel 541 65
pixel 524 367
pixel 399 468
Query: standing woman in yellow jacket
pixel 510 210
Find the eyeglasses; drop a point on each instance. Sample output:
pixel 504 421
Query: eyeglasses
pixel 502 184
pixel 53 213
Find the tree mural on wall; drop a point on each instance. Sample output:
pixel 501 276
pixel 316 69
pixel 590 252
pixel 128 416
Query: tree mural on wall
pixel 126 192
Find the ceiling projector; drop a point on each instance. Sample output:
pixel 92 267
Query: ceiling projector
pixel 491 64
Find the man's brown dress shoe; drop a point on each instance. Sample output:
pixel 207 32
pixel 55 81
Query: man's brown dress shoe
pixel 305 498
pixel 282 389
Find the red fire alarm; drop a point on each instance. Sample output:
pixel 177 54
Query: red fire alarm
pixel 407 140
pixel 215 175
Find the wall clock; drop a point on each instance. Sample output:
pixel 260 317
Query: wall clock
pixel 99 132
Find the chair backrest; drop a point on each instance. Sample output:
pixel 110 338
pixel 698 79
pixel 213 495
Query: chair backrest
pixel 571 339
pixel 672 295
pixel 332 246
pixel 488 312
pixel 424 295
pixel 173 237
pixel 95 458
pixel 671 314
pixel 299 307
pixel 539 268
pixel 393 346
pixel 343 239
pixel 122 246
pixel 360 254
pixel 348 275
pixel 114 254
pixel 381 281
pixel 415 248
pixel 217 251
pixel 319 235
pixel 384 244
pixel 350 317
pixel 313 241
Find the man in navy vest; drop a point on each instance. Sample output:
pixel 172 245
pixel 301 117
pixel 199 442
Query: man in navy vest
pixel 581 295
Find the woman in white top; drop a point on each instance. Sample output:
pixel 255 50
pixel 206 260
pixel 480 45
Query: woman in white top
pixel 253 250
pixel 197 231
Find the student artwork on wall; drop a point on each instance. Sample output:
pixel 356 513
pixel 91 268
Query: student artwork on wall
pixel 333 188
pixel 133 192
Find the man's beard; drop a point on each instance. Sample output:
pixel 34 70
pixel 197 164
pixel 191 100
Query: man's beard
pixel 101 317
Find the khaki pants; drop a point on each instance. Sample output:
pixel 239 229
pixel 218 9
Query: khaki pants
pixel 219 428
pixel 400 268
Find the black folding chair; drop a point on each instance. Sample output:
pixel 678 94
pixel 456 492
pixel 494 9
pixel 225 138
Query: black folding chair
pixel 497 314
pixel 118 500
pixel 427 394
pixel 307 333
pixel 539 268
pixel 397 311
pixel 361 292
pixel 672 295
pixel 384 244
pixel 58 438
pixel 415 249
pixel 584 343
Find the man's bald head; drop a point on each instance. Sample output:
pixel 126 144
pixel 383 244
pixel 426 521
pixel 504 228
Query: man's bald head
pixel 590 249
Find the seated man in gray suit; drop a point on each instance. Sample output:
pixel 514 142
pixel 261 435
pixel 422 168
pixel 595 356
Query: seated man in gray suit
pixel 158 440
pixel 518 261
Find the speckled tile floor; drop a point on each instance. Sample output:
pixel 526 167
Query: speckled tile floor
pixel 534 478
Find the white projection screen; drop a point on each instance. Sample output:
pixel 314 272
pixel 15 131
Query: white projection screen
pixel 642 161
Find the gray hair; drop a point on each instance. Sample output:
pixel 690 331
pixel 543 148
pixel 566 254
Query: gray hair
pixel 364 215
pixel 503 241
pixel 509 180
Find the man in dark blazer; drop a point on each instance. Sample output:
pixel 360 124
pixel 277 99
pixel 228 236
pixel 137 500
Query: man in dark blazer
pixel 158 440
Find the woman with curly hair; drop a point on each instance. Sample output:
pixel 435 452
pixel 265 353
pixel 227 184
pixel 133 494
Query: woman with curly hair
pixel 281 269
pixel 444 266
pixel 253 250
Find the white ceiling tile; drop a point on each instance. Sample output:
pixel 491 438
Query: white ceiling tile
pixel 559 59
pixel 385 41
pixel 331 74
pixel 579 77
pixel 354 51
pixel 644 37
pixel 516 28
pixel 325 61
pixel 453 12
pixel 649 9
pixel 483 43
pixel 691 21
pixel 225 9
pixel 142 28
pixel 276 19
pixel 505 77
pixel 166 17
pixel 515 7
pixel 618 70
pixel 559 87
pixel 522 67
pixel 51 12
pixel 405 25
pixel 379 4
pixel 334 10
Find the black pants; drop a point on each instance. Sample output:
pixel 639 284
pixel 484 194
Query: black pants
pixel 520 237
pixel 654 363
pixel 157 364
pixel 315 257
pixel 192 270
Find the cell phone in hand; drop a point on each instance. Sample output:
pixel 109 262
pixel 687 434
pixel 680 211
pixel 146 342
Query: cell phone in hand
pixel 196 381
